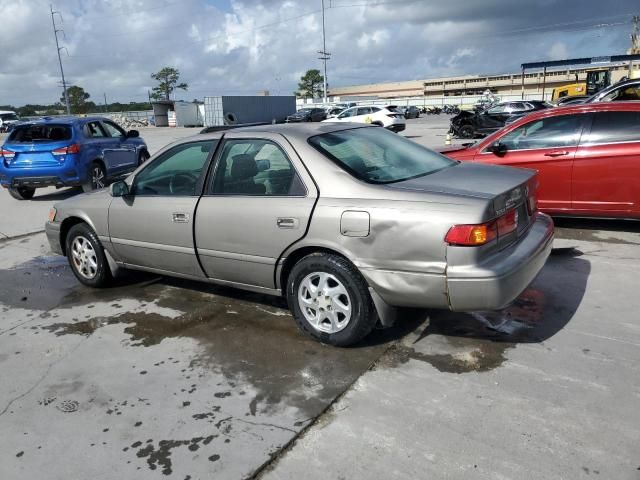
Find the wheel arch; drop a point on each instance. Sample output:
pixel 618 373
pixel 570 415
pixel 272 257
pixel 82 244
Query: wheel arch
pixel 66 225
pixel 296 255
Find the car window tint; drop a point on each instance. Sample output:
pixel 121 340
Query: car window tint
pixel 561 131
pixel 610 127
pixel 113 130
pixel 94 130
pixel 255 167
pixel 375 109
pixel 364 111
pixel 628 93
pixel 176 172
pixel 497 109
pixel 40 133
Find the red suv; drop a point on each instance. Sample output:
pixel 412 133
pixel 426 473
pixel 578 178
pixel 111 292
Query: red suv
pixel 587 157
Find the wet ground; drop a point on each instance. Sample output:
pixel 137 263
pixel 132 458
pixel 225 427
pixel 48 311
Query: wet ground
pixel 158 377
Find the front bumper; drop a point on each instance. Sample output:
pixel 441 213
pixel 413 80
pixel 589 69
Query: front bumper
pixel 496 283
pixel 52 229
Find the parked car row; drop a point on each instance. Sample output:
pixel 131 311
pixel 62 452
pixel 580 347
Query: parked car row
pixel 485 120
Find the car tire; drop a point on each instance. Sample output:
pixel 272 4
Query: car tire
pixel 466 131
pixel 143 156
pixel 97 178
pixel 86 256
pixel 22 193
pixel 341 318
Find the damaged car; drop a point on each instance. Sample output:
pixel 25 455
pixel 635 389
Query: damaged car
pixel 481 121
pixel 346 221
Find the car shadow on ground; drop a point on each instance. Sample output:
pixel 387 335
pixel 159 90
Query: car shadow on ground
pixel 597 224
pixel 539 313
pixel 58 195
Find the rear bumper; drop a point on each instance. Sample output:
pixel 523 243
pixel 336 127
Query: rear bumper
pixel 496 283
pixel 52 229
pixel 59 176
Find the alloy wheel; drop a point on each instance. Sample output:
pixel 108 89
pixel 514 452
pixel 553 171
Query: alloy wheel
pixel 324 302
pixel 84 257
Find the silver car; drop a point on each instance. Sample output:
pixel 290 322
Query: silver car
pixel 346 221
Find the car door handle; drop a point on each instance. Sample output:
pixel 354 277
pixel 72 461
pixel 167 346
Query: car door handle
pixel 556 154
pixel 287 222
pixel 179 217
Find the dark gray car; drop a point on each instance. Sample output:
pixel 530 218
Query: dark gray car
pixel 344 220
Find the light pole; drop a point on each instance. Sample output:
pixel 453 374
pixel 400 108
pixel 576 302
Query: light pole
pixel 58 48
pixel 324 56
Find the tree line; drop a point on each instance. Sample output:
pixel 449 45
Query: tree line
pixel 80 101
pixel 168 81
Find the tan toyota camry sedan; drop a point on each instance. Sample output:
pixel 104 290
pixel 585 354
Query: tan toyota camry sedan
pixel 347 221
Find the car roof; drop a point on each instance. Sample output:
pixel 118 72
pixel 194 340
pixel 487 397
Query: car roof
pixel 300 131
pixel 65 120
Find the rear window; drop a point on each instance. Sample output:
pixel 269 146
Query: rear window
pixel 612 127
pixel 8 116
pixel 40 133
pixel 376 155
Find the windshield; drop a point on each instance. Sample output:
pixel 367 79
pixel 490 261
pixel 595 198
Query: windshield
pixel 376 155
pixel 40 133
pixel 8 116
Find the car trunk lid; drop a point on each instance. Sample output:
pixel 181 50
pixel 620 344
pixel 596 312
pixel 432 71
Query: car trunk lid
pixel 504 188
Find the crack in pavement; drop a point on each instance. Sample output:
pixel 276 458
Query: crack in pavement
pixel 258 424
pixel 41 379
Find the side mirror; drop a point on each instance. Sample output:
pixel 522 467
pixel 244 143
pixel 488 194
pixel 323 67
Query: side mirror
pixel 263 165
pixel 498 149
pixel 119 189
pixel 133 134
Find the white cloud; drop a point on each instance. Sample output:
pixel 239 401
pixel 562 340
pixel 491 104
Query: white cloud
pixel 267 44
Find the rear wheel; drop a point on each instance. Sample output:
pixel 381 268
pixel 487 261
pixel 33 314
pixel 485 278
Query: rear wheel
pixel 97 178
pixel 86 256
pixel 466 131
pixel 330 300
pixel 22 193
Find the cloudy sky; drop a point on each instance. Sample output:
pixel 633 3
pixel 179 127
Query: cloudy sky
pixel 238 47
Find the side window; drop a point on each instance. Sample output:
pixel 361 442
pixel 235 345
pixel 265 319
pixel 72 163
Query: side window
pixel 612 127
pixel 375 109
pixel 94 130
pixel 351 112
pixel 551 132
pixel 255 167
pixel 364 111
pixel 497 109
pixel 176 172
pixel 113 130
pixel 628 93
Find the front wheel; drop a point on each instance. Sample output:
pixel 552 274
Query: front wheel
pixel 466 131
pixel 330 300
pixel 86 256
pixel 22 193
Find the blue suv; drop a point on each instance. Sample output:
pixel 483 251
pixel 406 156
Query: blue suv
pixel 68 151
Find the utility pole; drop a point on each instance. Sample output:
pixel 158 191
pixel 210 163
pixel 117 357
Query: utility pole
pixel 324 55
pixel 58 48
pixel 105 102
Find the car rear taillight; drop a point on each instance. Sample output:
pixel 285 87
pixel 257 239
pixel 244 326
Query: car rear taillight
pixel 481 234
pixel 75 148
pixel 7 154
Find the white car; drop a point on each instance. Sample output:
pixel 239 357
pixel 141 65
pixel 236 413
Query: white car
pixel 7 118
pixel 382 116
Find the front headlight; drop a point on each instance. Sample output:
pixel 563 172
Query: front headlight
pixel 52 214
